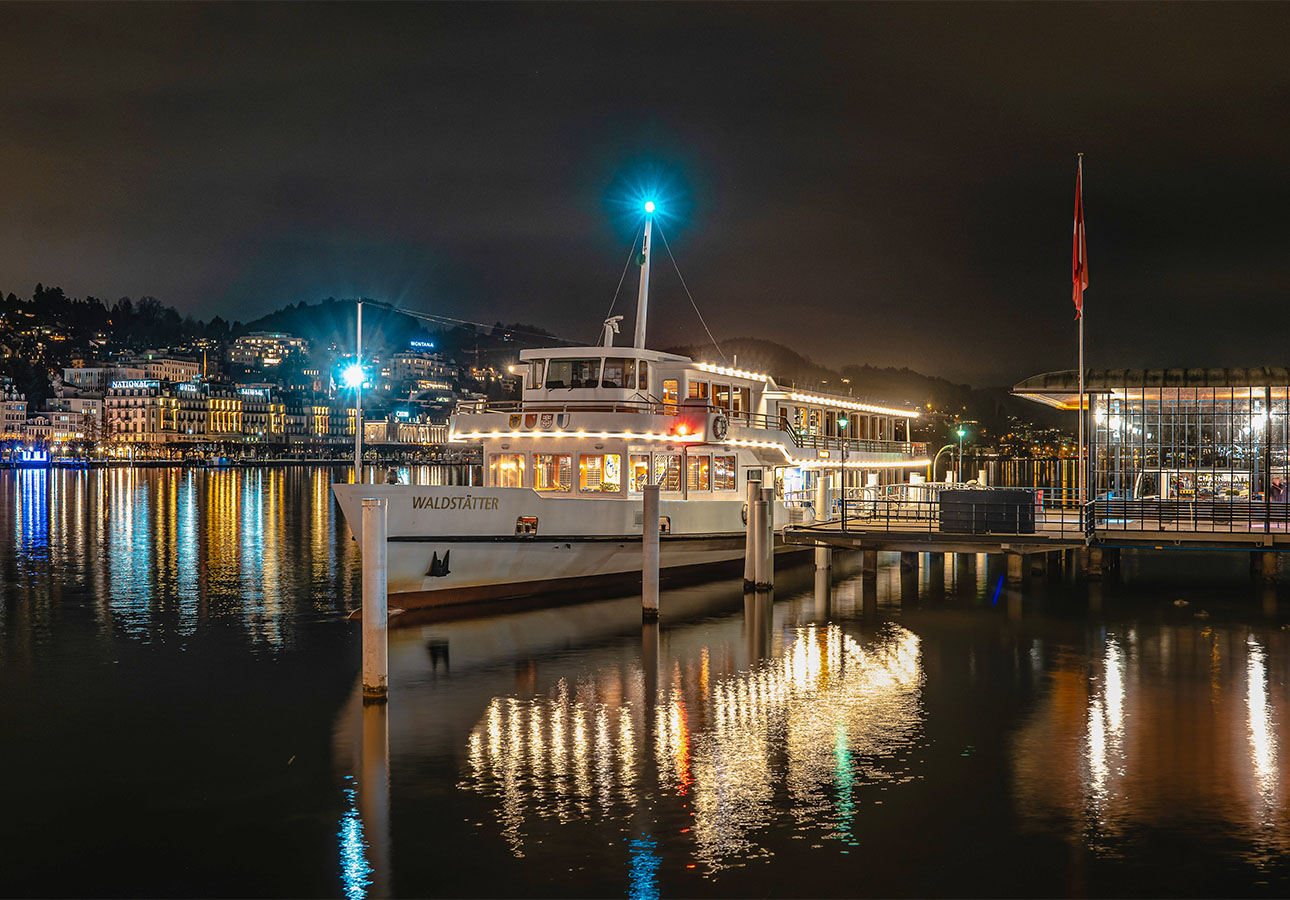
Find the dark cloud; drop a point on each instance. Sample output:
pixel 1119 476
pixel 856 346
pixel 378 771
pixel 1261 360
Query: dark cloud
pixel 889 183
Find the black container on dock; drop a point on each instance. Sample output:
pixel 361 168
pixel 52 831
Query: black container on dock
pixel 988 511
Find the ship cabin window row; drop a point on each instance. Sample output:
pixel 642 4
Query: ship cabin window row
pixel 603 473
pixel 823 422
pixel 732 398
pixel 615 372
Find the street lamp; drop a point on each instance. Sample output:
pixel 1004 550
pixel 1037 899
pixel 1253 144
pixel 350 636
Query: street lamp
pixel 842 428
pixel 961 432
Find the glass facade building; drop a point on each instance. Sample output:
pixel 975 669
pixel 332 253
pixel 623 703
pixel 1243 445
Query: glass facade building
pixel 1180 434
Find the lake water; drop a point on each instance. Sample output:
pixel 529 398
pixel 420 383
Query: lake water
pixel 180 715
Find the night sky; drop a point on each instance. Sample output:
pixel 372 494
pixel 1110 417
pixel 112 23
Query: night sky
pixel 890 183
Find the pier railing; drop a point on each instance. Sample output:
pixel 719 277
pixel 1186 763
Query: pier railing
pixel 1195 516
pixel 956 509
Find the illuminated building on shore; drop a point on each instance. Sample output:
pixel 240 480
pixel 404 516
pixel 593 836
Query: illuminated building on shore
pixel 264 349
pixel 1180 434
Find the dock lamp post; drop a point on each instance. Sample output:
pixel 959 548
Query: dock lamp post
pixel 352 377
pixel 842 427
pixel 962 431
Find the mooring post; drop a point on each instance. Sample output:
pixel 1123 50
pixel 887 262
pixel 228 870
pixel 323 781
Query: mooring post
pixel 649 565
pixel 376 620
pixel 823 554
pixel 750 534
pixel 761 577
pixel 767 582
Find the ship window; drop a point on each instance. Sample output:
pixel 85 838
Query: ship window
pixel 644 376
pixel 638 472
pixel 698 472
pixel 572 373
pixel 721 395
pixel 536 367
pixel 601 472
pixel 741 400
pixel 664 524
pixel 526 525
pixel 723 473
pixel 619 373
pixel 552 472
pixel 698 390
pixel 506 470
pixel 670 394
pixel 667 471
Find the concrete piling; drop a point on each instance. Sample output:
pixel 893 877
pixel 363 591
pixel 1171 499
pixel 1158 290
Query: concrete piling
pixel 908 562
pixel 1016 566
pixel 1267 567
pixel 765 581
pixel 650 554
pixel 376 620
pixel 869 563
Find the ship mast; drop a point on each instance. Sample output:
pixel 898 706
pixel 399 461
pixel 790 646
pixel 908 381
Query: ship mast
pixel 642 301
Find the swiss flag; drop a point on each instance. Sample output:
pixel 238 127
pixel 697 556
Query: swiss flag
pixel 1079 255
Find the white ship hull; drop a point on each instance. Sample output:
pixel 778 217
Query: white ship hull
pixel 458 544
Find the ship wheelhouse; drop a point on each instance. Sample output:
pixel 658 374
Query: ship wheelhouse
pixel 602 422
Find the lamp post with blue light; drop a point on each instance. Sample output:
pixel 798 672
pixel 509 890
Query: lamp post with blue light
pixel 353 377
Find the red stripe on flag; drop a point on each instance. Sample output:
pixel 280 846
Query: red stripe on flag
pixel 1079 255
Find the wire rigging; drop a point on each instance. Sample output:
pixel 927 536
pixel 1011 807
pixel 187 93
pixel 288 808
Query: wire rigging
pixel 687 293
pixel 449 320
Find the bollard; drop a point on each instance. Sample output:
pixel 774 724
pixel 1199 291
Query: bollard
pixel 750 539
pixel 376 621
pixel 649 565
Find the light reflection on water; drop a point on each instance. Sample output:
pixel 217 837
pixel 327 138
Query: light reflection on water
pixel 1176 724
pixel 826 719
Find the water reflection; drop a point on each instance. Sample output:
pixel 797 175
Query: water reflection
pixel 1154 722
pixel 825 718
pixel 164 552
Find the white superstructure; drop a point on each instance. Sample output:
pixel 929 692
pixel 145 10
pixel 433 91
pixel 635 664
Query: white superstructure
pixel 564 467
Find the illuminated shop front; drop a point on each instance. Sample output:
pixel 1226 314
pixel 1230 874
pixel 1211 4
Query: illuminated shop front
pixel 1180 434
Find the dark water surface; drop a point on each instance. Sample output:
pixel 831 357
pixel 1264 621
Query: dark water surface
pixel 180 715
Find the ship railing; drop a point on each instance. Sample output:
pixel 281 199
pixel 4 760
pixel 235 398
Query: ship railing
pixel 657 407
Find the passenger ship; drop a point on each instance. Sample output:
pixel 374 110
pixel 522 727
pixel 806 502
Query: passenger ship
pixel 561 508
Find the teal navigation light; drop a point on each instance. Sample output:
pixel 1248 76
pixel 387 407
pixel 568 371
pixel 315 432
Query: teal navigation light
pixel 649 207
pixel 353 375
pixel 962 432
pixel 842 423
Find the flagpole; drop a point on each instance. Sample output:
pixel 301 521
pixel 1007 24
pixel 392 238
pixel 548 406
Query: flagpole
pixel 1083 466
